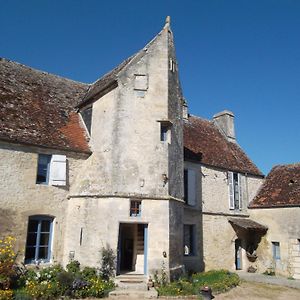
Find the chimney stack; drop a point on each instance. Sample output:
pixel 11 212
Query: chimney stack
pixel 225 122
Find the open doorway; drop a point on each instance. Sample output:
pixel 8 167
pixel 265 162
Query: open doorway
pixel 132 248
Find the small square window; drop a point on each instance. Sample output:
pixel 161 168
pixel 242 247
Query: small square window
pixel 141 82
pixel 135 208
pixel 189 233
pixel 43 169
pixel 165 132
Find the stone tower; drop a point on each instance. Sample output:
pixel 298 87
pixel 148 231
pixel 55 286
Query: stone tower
pixel 128 193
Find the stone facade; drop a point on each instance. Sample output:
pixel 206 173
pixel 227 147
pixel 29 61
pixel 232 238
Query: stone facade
pixel 163 189
pixel 284 229
pixel 216 237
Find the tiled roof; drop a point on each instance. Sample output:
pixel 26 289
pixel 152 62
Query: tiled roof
pixel 281 188
pixel 38 108
pixel 247 224
pixel 203 139
pixel 105 81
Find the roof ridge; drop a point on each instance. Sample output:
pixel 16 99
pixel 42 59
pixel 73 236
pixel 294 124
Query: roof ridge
pixel 41 71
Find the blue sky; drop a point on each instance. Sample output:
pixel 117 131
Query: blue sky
pixel 241 55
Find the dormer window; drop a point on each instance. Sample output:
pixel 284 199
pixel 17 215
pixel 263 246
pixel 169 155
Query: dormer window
pixel 86 115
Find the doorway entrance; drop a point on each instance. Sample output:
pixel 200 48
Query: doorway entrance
pixel 132 248
pixel 238 254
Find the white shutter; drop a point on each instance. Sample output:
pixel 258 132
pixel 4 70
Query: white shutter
pixel 191 187
pixel 231 190
pixel 240 191
pixel 58 170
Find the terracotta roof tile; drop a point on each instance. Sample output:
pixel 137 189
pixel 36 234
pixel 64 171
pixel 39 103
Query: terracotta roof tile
pixel 38 108
pixel 281 188
pixel 203 139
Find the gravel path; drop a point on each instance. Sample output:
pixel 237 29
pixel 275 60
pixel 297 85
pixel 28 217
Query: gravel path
pixel 269 279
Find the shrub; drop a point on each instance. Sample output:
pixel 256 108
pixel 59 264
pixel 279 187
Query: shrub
pixel 6 294
pixel 108 263
pixel 7 260
pixel 73 266
pixel 88 273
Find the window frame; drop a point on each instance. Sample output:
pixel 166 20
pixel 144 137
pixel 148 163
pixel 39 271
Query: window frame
pixel 37 246
pixel 192 248
pixel 136 210
pixel 276 251
pixel 235 190
pixel 48 157
pixel 190 187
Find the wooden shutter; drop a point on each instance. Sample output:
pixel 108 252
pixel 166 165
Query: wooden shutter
pixel 191 187
pixel 58 170
pixel 231 190
pixel 240 190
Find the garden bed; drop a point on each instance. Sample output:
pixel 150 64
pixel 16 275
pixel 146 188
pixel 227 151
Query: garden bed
pixel 218 280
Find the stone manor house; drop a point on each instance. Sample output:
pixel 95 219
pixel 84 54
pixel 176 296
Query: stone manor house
pixel 121 163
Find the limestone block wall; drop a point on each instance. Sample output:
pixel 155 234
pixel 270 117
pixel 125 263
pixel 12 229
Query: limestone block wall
pixel 215 190
pixel 283 227
pixel 94 223
pixel 21 197
pixel 219 243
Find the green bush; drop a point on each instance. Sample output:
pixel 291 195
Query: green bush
pixel 73 266
pixel 108 263
pixel 218 280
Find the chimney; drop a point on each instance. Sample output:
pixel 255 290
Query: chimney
pixel 225 122
pixel 185 114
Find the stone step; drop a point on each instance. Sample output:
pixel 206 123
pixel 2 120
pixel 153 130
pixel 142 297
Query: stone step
pixel 133 294
pixel 131 282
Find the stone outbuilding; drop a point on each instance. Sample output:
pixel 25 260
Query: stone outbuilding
pixel 277 205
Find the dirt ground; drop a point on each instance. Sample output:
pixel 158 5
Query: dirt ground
pixel 253 291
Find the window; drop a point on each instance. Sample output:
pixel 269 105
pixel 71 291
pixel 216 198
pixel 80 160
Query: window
pixel 135 208
pixel 235 193
pixel 43 169
pixel 87 117
pixel 141 82
pixel 172 65
pixel 276 250
pixel 189 240
pixel 190 187
pixel 165 132
pixel 51 169
pixel 38 244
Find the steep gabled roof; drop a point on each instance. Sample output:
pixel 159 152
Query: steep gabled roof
pixel 109 80
pixel 203 139
pixel 281 188
pixel 37 108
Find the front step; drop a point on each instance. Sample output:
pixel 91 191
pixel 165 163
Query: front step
pixel 132 287
pixel 133 294
pixel 133 282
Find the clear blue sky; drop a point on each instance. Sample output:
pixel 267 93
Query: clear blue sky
pixel 241 55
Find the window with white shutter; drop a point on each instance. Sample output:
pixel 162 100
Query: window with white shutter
pixel 58 170
pixel 235 190
pixel 231 190
pixel 52 170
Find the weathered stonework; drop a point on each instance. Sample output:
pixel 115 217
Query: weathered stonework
pixel 283 228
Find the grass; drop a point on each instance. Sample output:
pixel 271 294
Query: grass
pixel 218 280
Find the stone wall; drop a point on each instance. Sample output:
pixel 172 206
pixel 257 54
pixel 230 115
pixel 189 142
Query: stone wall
pixel 284 227
pixel 21 197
